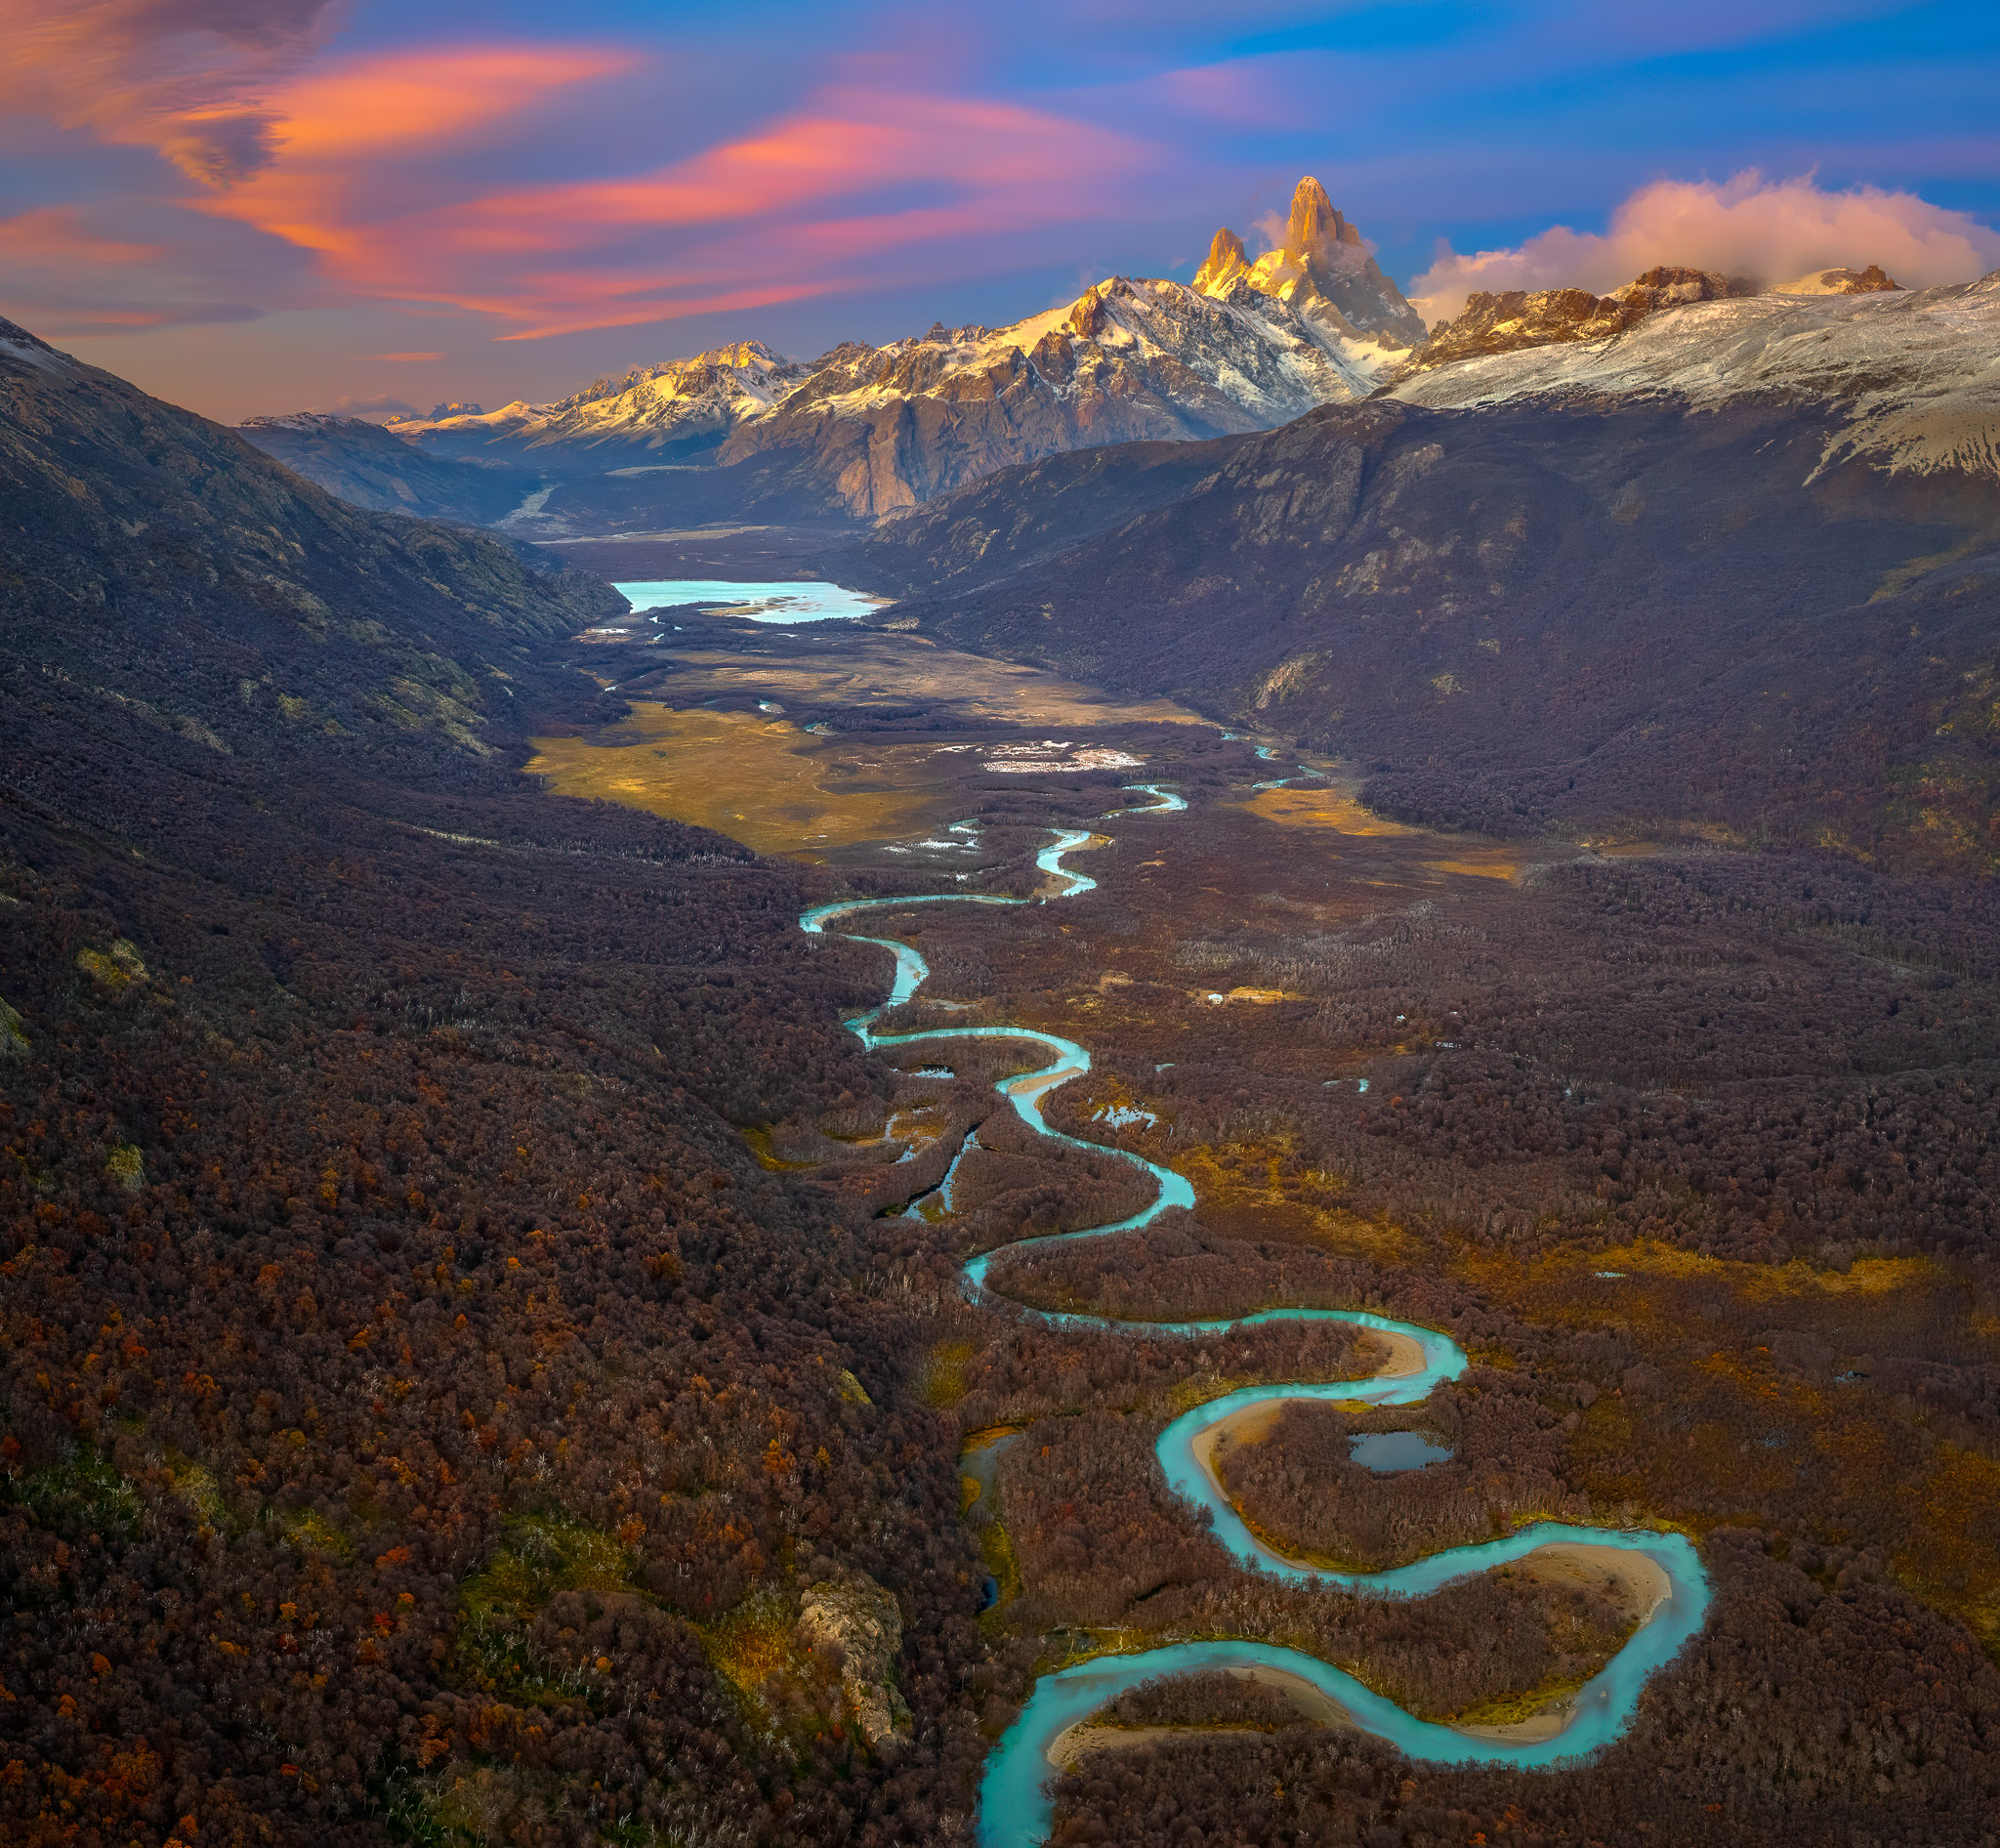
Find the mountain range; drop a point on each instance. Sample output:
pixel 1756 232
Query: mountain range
pixel 869 430
pixel 1737 564
pixel 864 433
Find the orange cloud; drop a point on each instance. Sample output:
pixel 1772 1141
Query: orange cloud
pixel 776 215
pixel 182 76
pixel 375 166
pixel 57 234
pixel 405 359
pixel 429 97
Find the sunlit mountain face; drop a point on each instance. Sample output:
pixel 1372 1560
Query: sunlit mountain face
pixel 1208 1059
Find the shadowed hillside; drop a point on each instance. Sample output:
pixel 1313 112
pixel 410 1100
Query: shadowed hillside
pixel 419 1411
pixel 1602 616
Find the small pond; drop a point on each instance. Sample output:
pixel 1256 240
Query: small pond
pixel 1388 1452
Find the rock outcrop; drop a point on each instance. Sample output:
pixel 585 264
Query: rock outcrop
pixel 857 1622
pixel 1873 280
pixel 1516 318
pixel 1540 317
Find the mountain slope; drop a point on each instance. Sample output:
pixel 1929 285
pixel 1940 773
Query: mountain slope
pixel 160 566
pixel 1769 609
pixel 374 1182
pixel 1911 378
pixel 365 466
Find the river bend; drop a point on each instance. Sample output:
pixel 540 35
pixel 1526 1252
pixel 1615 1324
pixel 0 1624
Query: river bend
pixel 1015 1808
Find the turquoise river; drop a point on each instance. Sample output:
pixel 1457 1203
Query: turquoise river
pixel 1016 1807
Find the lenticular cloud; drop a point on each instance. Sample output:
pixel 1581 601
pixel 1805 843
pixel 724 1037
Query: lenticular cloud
pixel 1772 229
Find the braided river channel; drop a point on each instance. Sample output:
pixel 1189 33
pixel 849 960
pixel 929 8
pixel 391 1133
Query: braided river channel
pixel 1016 1806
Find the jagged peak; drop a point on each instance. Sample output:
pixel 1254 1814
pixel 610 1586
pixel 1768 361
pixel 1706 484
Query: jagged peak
pixel 1323 268
pixel 1314 225
pixel 1227 260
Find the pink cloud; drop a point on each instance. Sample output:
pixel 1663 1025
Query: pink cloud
pixel 57 234
pixel 797 207
pixel 1776 231
pixel 373 171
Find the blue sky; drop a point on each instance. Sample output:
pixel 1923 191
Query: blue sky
pixel 254 205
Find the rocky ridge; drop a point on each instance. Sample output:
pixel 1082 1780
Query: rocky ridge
pixel 1911 377
pixel 1131 360
pixel 682 410
pixel 1516 318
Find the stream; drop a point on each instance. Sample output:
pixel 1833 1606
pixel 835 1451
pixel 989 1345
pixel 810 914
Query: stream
pixel 1016 1807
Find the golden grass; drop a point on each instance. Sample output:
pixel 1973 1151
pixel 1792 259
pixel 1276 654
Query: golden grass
pixel 763 781
pixel 1497 863
pixel 1335 809
pixel 940 1377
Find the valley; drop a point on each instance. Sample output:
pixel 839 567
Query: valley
pixel 1203 1070
pixel 1393 1080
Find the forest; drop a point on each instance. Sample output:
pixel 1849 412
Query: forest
pixel 422 1413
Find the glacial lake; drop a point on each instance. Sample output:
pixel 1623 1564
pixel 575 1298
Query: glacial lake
pixel 760 602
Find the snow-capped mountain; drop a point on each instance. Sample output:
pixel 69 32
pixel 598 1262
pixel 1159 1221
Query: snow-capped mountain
pixel 1131 360
pixel 867 431
pixel 1911 378
pixel 676 411
pixel 1247 345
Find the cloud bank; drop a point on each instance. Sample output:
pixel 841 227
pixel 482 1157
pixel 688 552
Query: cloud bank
pixel 1776 231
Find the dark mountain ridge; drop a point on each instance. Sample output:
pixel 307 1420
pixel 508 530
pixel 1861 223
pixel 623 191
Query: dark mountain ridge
pixel 367 465
pixel 158 565
pixel 1600 614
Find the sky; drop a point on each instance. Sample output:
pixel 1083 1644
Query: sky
pixel 259 206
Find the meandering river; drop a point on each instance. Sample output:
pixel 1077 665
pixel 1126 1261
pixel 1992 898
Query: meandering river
pixel 1016 1807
